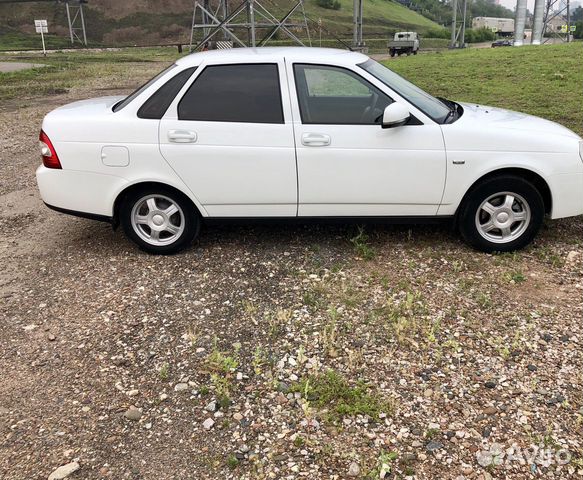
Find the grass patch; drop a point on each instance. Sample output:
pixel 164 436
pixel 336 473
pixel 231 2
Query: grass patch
pixel 336 398
pixel 545 81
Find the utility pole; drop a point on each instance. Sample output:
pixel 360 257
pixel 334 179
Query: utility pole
pixel 452 44
pixel 568 21
pixel 357 15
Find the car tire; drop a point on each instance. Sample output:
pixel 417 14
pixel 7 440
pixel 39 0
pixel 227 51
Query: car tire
pixel 159 220
pixel 501 214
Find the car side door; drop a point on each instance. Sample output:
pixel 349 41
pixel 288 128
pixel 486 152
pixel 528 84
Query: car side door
pixel 229 136
pixel 347 164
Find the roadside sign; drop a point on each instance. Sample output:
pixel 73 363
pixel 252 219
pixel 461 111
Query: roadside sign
pixel 573 28
pixel 41 26
pixel 563 28
pixel 494 29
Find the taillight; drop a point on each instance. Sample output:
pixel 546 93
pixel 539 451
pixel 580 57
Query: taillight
pixel 47 151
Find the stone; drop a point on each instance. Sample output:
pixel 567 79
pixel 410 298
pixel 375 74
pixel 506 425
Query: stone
pixel 490 410
pixel 433 445
pixel 237 416
pixel 532 368
pixel 133 393
pixel 64 471
pixel 354 470
pixel 208 423
pixel 181 387
pixel 133 413
pixel 490 384
pixel 211 406
pixel 572 257
pixel 51 337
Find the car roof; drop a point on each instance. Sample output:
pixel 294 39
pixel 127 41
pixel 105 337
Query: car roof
pixel 298 54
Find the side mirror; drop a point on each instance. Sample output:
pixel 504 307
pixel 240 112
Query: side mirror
pixel 395 115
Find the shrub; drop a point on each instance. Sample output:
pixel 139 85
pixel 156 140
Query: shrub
pixel 329 4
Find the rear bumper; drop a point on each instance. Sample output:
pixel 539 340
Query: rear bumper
pixel 567 193
pixel 86 194
pixel 90 216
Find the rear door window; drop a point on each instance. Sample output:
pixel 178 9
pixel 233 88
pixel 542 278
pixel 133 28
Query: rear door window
pixel 248 93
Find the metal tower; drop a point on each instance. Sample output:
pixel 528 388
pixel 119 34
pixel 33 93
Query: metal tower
pixel 558 9
pixel 458 28
pixel 213 17
pixel 76 21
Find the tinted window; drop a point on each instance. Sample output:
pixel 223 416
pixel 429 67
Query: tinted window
pixel 234 93
pixel 121 104
pixel 332 95
pixel 158 103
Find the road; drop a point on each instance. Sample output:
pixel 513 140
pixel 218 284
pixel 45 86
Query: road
pixel 6 67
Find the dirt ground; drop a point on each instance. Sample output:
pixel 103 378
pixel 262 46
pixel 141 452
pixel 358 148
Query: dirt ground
pixel 212 363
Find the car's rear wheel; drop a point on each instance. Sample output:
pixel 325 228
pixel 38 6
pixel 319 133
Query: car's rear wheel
pixel 159 220
pixel 501 214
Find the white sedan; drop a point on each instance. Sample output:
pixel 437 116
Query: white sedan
pixel 304 132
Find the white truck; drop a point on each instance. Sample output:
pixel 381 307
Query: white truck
pixel 404 42
pixel 504 27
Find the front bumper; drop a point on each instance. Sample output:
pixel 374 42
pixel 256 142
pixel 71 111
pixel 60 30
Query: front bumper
pixel 567 193
pixel 80 193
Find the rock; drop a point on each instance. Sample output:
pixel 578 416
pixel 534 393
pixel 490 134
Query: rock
pixel 64 471
pixel 244 448
pixel 532 368
pixel 354 470
pixel 208 423
pixel 133 414
pixel 433 445
pixel 133 393
pixel 490 410
pixel 211 406
pixel 555 400
pixel 433 426
pixel 547 337
pixel 572 257
pixel 4 411
pixel 490 384
pixel 237 416
pixel 163 397
pixel 180 387
pixel 51 337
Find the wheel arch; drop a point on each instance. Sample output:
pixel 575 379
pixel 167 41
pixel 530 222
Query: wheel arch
pixel 148 184
pixel 539 182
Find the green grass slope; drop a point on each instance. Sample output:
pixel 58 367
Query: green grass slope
pixel 159 26
pixel 380 17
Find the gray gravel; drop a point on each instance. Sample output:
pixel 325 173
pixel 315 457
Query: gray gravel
pixel 195 366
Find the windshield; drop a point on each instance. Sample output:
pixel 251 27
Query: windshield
pixel 430 106
pixel 122 103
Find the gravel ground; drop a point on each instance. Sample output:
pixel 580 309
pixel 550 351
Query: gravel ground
pixel 317 352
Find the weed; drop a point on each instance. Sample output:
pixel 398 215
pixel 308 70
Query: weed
pixel 515 276
pixel 232 462
pixel 331 391
pixel 164 371
pixel 361 245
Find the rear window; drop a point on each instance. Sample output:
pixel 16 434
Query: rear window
pixel 126 101
pixel 155 107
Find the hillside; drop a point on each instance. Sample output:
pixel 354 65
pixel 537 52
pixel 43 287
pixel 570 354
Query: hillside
pixel 144 22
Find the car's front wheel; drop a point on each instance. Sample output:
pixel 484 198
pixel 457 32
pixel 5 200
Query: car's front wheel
pixel 159 220
pixel 501 214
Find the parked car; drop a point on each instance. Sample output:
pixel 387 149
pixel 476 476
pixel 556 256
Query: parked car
pixel 404 42
pixel 299 133
pixel 501 43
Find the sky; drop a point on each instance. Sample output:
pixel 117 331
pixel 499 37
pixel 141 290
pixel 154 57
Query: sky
pixel 511 4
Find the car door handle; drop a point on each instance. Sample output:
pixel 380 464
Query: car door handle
pixel 181 136
pixel 315 139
